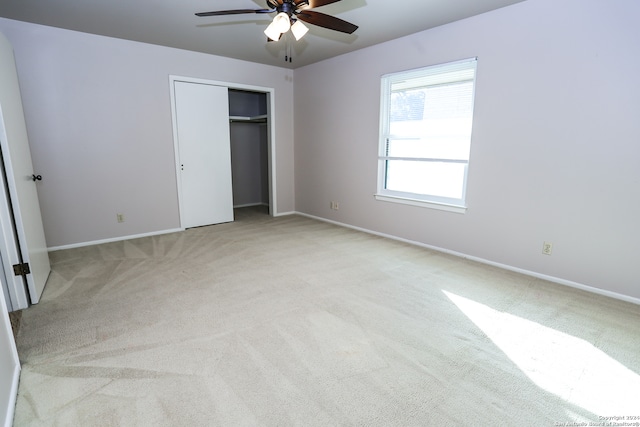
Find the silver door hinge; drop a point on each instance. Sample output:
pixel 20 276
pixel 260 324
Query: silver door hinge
pixel 21 269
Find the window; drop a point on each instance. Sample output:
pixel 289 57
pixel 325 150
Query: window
pixel 425 135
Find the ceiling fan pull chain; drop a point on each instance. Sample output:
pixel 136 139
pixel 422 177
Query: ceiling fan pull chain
pixel 288 56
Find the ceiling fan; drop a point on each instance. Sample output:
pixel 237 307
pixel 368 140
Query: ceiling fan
pixel 289 14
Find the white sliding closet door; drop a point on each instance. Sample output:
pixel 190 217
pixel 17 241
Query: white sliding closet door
pixel 202 121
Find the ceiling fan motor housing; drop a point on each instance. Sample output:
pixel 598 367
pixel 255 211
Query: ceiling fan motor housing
pixel 287 8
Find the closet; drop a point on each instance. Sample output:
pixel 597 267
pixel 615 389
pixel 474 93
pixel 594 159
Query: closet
pixel 249 134
pixel 223 145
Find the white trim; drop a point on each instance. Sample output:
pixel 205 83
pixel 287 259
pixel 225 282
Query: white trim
pixel 271 136
pixel 271 153
pixel 176 148
pixel 421 203
pixel 114 239
pixel 530 273
pixel 286 213
pixel 11 404
pixel 16 285
pixel 15 380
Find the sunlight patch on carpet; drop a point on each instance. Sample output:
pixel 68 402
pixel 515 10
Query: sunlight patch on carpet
pixel 569 367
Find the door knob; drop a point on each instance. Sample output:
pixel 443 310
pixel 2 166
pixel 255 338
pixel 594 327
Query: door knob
pixel 36 177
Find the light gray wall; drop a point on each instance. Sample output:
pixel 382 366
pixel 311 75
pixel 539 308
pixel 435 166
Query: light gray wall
pixel 98 115
pixel 249 163
pixel 247 103
pixel 555 149
pixel 249 149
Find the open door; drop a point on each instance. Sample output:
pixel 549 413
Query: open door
pixel 29 259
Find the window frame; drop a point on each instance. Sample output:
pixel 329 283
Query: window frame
pixel 415 199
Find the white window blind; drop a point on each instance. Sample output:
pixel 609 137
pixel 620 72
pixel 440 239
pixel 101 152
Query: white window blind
pixel 425 139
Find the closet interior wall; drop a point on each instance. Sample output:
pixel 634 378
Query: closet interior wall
pixel 249 148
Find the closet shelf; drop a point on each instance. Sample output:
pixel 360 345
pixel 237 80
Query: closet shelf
pixel 248 119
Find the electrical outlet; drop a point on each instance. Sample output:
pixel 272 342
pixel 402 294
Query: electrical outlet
pixel 120 217
pixel 547 248
pixel 335 205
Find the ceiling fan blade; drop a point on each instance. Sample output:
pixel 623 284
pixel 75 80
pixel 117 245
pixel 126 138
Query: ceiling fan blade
pixel 234 12
pixel 327 21
pixel 310 4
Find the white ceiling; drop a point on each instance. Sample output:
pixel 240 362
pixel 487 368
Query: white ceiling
pixel 173 23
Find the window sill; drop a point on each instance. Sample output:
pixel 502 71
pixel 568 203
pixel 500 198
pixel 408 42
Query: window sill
pixel 421 203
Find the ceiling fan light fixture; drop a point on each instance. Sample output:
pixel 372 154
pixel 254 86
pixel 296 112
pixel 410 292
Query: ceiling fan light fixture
pixel 299 29
pixel 273 32
pixel 289 15
pixel 282 22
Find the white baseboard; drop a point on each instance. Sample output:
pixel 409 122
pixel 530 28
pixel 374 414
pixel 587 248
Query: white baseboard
pixel 11 404
pixel 553 279
pixel 115 239
pixel 557 280
pixel 136 236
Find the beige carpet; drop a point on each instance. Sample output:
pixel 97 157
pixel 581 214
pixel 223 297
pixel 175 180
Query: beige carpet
pixel 290 321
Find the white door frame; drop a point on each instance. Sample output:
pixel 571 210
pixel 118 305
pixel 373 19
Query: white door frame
pixel 270 136
pixel 9 252
pixel 9 367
